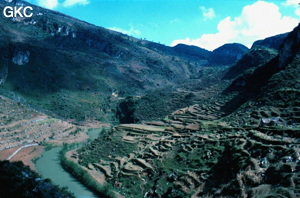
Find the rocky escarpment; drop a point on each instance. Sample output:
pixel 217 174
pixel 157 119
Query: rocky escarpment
pixel 289 50
pixel 287 58
pixel 261 52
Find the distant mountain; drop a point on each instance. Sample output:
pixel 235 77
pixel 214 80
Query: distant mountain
pixel 273 42
pixel 225 55
pixel 228 54
pixel 188 52
pixel 192 52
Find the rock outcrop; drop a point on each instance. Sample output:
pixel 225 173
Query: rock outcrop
pixel 21 57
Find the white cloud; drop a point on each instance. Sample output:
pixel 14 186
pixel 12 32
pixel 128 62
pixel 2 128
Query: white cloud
pixel 131 31
pixel 295 4
pixel 208 13
pixel 174 21
pixel 50 4
pixel 69 3
pixel 257 21
pixel 291 2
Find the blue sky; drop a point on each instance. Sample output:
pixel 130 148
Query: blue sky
pixel 204 23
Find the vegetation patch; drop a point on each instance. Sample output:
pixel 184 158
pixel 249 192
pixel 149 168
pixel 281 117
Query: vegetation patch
pixel 17 180
pixel 83 176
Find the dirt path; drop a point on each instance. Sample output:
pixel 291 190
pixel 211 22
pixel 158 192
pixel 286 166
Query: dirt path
pixel 25 146
pixel 26 155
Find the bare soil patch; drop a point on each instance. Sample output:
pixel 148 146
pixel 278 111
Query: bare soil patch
pixel 26 155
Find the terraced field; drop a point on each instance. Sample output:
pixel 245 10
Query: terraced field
pixel 21 126
pixel 192 154
pixel 240 142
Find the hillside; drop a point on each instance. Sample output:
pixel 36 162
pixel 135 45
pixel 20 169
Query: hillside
pixel 242 142
pixel 227 54
pixel 254 58
pixel 78 72
pixel 273 42
pixel 58 73
pixel 74 70
pixel 187 52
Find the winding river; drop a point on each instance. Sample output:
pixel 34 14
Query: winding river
pixel 49 167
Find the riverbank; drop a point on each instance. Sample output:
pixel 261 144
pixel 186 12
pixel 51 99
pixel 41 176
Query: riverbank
pixel 27 154
pixel 49 166
pixel 53 165
pixel 21 126
pixel 27 136
pixel 91 181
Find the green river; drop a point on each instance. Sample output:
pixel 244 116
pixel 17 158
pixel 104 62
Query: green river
pixel 49 167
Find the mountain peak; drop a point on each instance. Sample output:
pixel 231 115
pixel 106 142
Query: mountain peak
pixel 228 53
